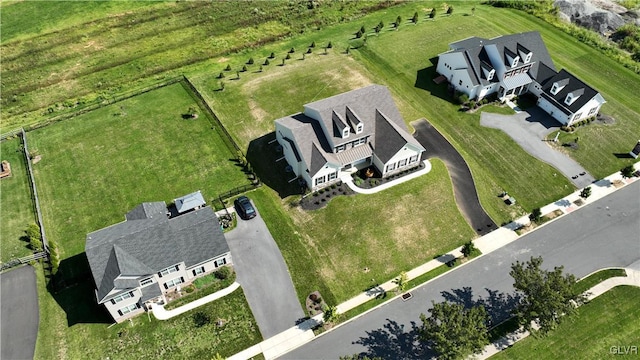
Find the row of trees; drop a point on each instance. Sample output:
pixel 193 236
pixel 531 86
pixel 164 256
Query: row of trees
pixel 34 238
pixel 545 299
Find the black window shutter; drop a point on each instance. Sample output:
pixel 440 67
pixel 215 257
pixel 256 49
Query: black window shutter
pixel 166 287
pixel 194 272
pixel 120 312
pixel 113 302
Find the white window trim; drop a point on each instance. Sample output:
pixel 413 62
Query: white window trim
pixel 333 176
pixel 345 132
pixel 169 270
pixel 320 180
pixel 122 297
pixel 413 159
pixel 340 148
pixel 144 282
pixel 128 309
pixel 220 262
pixel 174 282
pixel 199 270
pixel 569 99
pixel 402 163
pixel 359 128
pixel 391 167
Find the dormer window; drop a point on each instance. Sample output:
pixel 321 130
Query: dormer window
pixel 345 132
pixel 528 58
pixel 359 128
pixel 558 85
pixel 491 74
pixel 573 96
pixel 569 99
pixel 514 63
pixel 554 89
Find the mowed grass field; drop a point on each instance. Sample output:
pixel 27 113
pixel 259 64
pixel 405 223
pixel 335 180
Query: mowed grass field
pixel 16 207
pixel 610 320
pixel 76 329
pixel 53 68
pixel 98 166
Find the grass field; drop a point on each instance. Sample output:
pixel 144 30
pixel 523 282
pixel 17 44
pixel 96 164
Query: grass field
pixel 328 249
pixel 48 69
pixel 609 320
pixel 73 329
pixel 98 166
pixel 16 207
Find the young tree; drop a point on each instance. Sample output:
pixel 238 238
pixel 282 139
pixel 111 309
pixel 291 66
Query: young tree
pixel 398 21
pixel 401 281
pixel 380 25
pixel 362 29
pixel 468 249
pixel 329 46
pixel 414 19
pixel 535 215
pixel 450 10
pixel 454 332
pixel 260 69
pixel 309 51
pixel 244 68
pixel 432 14
pixel 228 68
pixel 359 34
pixel 33 233
pixel 313 44
pixel 288 56
pixel 237 74
pixel 266 62
pixel 377 29
pixel 627 171
pixel 221 75
pixel 545 296
pixel 330 313
pixel 250 61
pixel 272 56
pixel 292 51
pixel 473 11
pixel 586 192
pixel 221 85
pixel 347 50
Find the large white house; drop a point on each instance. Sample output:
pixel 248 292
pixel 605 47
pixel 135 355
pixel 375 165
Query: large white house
pixel 135 263
pixel 345 133
pixel 512 65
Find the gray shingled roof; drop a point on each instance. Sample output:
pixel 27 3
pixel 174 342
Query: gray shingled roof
pixel 390 138
pixel 190 201
pixel 137 248
pixel 474 52
pixel 573 85
pixel 361 105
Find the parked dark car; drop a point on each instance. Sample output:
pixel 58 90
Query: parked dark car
pixel 244 208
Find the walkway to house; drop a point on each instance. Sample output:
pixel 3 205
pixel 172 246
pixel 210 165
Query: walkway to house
pixel 347 179
pixel 529 129
pixel 632 279
pixel 464 188
pixel 161 314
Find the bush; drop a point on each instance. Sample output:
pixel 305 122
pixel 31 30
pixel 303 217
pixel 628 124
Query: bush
pixel 201 319
pixel 536 215
pixel 223 273
pixel 469 249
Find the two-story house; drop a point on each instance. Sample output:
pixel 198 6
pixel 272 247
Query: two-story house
pixel 345 133
pixel 135 263
pixel 516 64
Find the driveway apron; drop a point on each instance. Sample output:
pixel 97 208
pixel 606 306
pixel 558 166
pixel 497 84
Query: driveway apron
pixel 263 274
pixel 464 188
pixel 18 313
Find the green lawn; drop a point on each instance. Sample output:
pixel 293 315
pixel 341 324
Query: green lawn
pixel 609 320
pixel 16 207
pixel 73 326
pixel 388 232
pixel 98 166
pixel 596 278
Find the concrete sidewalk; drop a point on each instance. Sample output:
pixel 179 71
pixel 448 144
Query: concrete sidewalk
pixel 161 314
pixel 301 334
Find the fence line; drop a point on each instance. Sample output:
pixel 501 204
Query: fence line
pixel 10 134
pixel 34 191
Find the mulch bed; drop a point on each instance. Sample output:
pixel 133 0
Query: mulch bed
pixel 321 198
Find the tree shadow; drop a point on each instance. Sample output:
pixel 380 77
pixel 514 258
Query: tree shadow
pixel 265 156
pixel 73 289
pixel 392 341
pixel 498 305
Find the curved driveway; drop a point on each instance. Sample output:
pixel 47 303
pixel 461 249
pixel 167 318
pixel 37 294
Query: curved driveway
pixel 598 235
pixel 18 313
pixel 464 188
pixel 264 277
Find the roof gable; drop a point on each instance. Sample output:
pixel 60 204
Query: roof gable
pixel 581 92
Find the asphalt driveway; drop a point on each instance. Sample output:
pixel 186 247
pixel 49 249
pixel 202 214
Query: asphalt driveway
pixel 19 314
pixel 264 277
pixel 464 188
pixel 529 129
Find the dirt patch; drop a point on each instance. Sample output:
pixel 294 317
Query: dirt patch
pixel 36 159
pixel 256 111
pixel 223 59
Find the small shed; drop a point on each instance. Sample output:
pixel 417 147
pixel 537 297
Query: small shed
pixel 510 200
pixel 189 202
pixel 636 151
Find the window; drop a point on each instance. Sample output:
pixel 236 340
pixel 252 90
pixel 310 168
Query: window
pixel 528 58
pixel 128 309
pixel 147 281
pixel 220 262
pixel 391 167
pixel 460 82
pixel 569 99
pixel 169 270
pixel 359 142
pixel 121 297
pixel 340 148
pixel 577 116
pixel 174 282
pixel 413 159
pixel 593 110
pixel 198 271
pixel 402 163
pixel 491 74
pixel 345 132
pixel 332 176
pixel 515 61
pixel 320 180
pixel 359 128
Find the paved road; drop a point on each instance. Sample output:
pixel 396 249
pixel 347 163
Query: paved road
pixel 463 187
pixel 18 313
pixel 599 235
pixel 529 129
pixel 264 277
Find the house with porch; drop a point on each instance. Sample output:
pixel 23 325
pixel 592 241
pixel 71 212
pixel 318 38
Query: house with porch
pixel 137 262
pixel 345 133
pixel 512 65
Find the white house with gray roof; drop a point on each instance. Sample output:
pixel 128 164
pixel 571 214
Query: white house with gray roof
pixel 135 263
pixel 516 64
pixel 347 132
